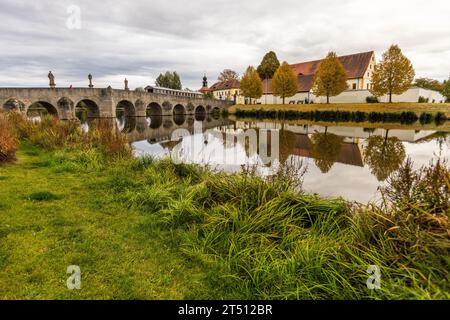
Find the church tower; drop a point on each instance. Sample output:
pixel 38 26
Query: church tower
pixel 204 88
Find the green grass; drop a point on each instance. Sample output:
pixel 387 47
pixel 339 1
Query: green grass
pixel 121 254
pixel 147 229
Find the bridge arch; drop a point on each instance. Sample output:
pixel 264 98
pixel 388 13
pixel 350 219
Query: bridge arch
pixel 200 110
pixel 179 110
pixel 40 108
pixel 154 109
pixel 13 104
pixel 179 119
pixel 155 122
pixel 126 108
pixel 200 113
pixel 87 107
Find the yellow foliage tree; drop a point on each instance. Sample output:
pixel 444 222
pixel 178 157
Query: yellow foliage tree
pixel 331 78
pixel 284 82
pixel 393 75
pixel 251 84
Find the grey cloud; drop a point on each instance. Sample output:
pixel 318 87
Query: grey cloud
pixel 142 38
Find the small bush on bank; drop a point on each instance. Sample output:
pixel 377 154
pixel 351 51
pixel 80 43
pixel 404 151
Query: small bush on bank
pixel 423 100
pixel 8 141
pixel 372 99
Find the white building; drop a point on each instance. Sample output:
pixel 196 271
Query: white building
pixel 359 68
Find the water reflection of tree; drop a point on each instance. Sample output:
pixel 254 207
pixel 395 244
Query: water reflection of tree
pixel 325 148
pixel 384 155
pixel 287 145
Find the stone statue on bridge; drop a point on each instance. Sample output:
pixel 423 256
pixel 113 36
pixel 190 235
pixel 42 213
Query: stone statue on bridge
pixel 126 85
pixel 51 79
pixel 90 80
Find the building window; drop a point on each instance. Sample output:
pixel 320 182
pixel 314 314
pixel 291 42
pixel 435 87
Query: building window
pixel 354 86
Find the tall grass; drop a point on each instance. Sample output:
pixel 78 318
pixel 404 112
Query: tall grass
pixel 8 141
pixel 264 239
pixel 51 134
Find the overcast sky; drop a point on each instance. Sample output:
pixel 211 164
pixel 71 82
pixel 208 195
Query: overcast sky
pixel 141 38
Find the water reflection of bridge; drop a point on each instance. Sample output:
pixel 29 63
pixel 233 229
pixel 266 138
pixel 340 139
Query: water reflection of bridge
pixel 160 128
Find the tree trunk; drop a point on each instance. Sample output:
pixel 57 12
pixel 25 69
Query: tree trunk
pixel 283 99
pixel 390 96
pixel 328 99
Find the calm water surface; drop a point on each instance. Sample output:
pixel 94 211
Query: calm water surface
pixel 341 160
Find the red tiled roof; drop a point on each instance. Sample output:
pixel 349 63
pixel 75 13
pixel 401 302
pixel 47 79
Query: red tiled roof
pixel 355 65
pixel 304 83
pixel 225 85
pixel 204 90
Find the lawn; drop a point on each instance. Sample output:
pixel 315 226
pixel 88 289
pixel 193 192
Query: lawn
pixel 53 217
pixel 363 107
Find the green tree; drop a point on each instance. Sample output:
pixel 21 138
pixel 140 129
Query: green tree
pixel 325 148
pixel 446 90
pixel 251 84
pixel 331 78
pixel 268 65
pixel 169 80
pixel 393 75
pixel 427 83
pixel 228 75
pixel 284 82
pixel 384 155
pixel 208 95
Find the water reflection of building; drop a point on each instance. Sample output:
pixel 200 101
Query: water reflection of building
pixel 350 153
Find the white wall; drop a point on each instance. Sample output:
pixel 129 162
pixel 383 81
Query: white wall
pixel 359 96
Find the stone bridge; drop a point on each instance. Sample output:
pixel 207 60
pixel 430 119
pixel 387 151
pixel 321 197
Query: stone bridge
pixel 103 103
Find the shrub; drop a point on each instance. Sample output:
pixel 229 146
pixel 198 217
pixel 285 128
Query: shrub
pixel 423 99
pixel 8 142
pixel 111 142
pixel 372 99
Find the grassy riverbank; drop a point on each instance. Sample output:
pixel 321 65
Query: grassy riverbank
pixel 417 108
pixel 147 229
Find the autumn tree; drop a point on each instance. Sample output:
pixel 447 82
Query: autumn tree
pixel 169 80
pixel 251 84
pixel 284 82
pixel 384 155
pixel 393 75
pixel 430 84
pixel 325 148
pixel 446 90
pixel 228 75
pixel 331 78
